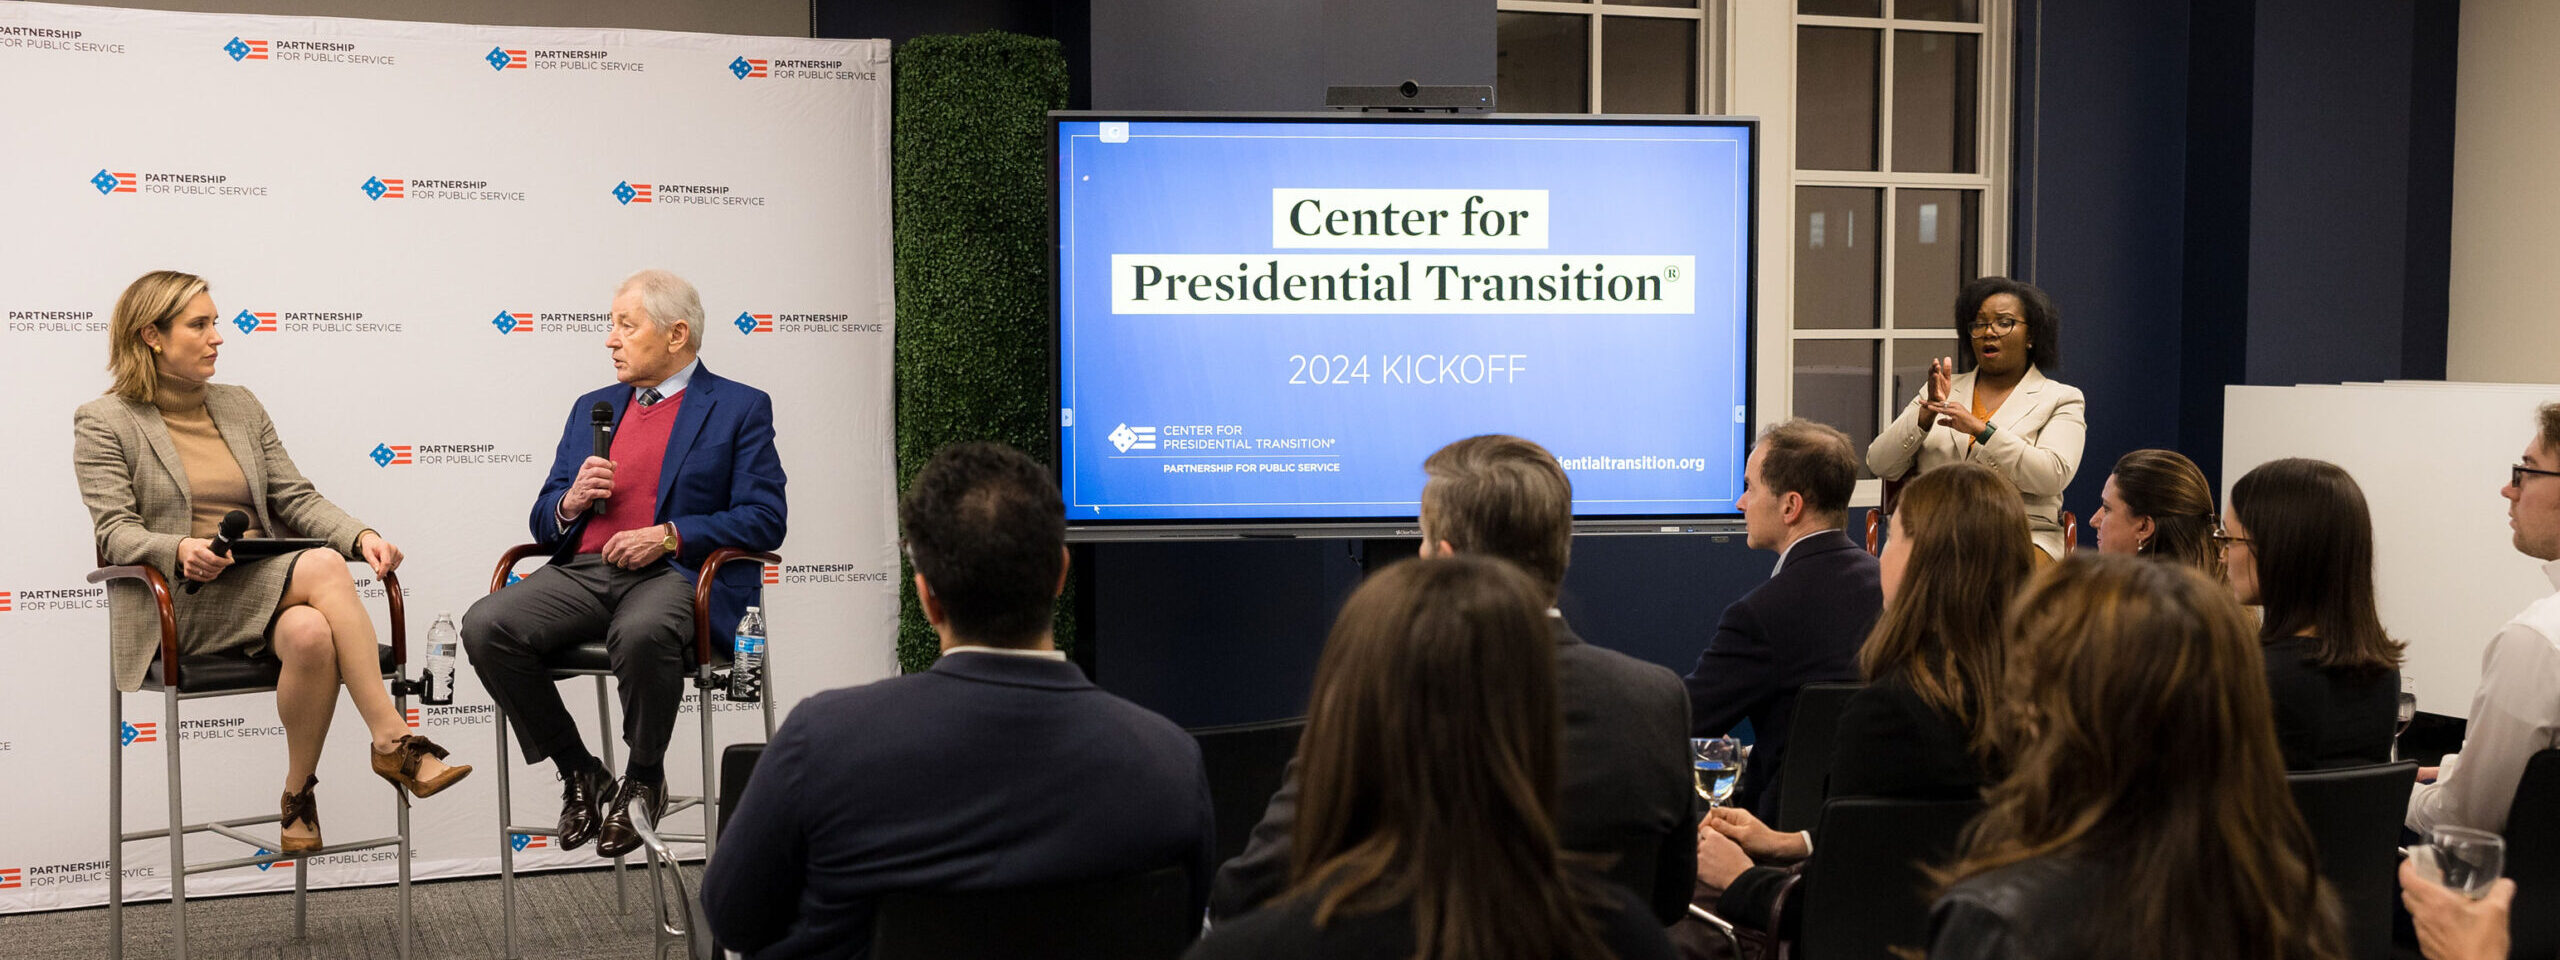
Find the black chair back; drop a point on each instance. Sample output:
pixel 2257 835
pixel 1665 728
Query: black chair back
pixel 737 763
pixel 2533 859
pixel 1804 772
pixel 1245 763
pixel 1866 891
pixel 1146 916
pixel 2354 814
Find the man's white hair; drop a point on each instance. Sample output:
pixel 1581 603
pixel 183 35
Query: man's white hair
pixel 666 298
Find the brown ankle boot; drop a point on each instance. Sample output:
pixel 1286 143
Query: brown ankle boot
pixel 302 808
pixel 400 766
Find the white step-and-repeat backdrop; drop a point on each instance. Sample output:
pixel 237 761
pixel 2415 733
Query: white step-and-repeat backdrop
pixel 413 232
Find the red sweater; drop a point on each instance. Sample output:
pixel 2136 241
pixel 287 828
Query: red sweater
pixel 639 449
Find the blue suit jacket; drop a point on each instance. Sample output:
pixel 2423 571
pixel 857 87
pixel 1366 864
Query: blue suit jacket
pixel 721 483
pixel 987 772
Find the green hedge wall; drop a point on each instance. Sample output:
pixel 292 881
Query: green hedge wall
pixel 972 202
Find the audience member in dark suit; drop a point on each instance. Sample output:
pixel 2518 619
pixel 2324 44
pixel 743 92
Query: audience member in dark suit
pixel 1001 767
pixel 1426 826
pixel 2299 541
pixel 1805 624
pixel 1626 790
pixel 2144 813
pixel 1956 554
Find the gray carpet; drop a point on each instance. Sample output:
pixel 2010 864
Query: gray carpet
pixel 565 915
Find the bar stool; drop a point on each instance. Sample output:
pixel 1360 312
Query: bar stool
pixel 704 659
pixel 176 678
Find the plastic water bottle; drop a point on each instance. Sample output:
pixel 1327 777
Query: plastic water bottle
pixel 441 639
pixel 746 662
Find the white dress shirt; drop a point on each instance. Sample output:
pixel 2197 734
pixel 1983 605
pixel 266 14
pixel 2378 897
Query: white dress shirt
pixel 1791 549
pixel 1008 652
pixel 2515 714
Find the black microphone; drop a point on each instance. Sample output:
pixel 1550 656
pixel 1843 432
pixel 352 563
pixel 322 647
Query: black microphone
pixel 601 418
pixel 234 524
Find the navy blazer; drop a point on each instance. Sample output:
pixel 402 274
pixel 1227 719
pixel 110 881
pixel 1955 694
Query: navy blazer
pixel 1803 626
pixel 987 772
pixel 720 484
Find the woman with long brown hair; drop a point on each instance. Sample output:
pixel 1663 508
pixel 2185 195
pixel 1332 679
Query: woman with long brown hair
pixel 1426 824
pixel 2145 813
pixel 1956 554
pixel 2157 503
pixel 2298 543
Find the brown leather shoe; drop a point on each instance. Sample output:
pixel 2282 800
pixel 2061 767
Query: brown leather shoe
pixel 300 808
pixel 400 766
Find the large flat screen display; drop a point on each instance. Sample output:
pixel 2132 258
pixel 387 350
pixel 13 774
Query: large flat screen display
pixel 1271 321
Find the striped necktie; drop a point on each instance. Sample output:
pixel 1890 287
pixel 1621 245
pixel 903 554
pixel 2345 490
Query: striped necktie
pixel 649 396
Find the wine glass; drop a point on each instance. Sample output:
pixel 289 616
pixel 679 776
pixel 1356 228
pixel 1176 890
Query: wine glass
pixel 2408 712
pixel 2468 860
pixel 1716 764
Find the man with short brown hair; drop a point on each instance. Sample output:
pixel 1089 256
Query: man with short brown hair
pixel 1625 793
pixel 1805 624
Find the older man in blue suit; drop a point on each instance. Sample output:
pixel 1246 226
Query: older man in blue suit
pixel 692 469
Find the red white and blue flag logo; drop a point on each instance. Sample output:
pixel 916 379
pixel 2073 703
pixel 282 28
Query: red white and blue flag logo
pixel 4 601
pixel 245 49
pixel 381 189
pixel 390 455
pixel 745 69
pixel 773 573
pixel 630 193
pixel 754 323
pixel 527 841
pixel 501 58
pixel 509 321
pixel 141 733
pixel 108 182
pixel 255 322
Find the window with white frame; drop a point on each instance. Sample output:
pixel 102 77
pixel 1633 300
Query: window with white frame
pixel 1896 116
pixel 1899 180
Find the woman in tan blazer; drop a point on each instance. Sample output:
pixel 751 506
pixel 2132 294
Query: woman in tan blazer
pixel 161 458
pixel 2003 411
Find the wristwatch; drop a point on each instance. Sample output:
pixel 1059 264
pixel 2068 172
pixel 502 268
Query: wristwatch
pixel 670 543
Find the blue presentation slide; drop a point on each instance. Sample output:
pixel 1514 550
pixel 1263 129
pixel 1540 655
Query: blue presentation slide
pixel 1277 321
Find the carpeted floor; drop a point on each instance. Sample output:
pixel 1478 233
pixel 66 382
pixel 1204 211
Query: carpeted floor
pixel 559 916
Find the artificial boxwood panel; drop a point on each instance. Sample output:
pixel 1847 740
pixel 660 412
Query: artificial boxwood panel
pixel 971 198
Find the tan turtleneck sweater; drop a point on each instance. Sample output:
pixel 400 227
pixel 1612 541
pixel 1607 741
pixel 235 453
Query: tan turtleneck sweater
pixel 213 477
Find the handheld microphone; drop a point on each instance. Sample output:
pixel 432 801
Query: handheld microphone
pixel 601 419
pixel 234 524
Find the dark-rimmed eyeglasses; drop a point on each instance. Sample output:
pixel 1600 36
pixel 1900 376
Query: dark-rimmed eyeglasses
pixel 1997 328
pixel 2516 474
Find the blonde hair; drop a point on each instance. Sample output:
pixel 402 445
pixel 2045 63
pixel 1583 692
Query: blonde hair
pixel 152 302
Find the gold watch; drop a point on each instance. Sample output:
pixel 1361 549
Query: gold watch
pixel 669 544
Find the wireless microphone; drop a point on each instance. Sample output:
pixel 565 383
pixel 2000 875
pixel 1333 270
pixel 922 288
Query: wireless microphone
pixel 601 418
pixel 234 524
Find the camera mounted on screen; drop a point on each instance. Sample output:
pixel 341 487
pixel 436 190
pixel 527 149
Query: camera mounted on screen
pixel 1411 97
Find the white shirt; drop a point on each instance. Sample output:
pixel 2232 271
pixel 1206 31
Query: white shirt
pixel 1791 549
pixel 672 385
pixel 2515 714
pixel 1059 655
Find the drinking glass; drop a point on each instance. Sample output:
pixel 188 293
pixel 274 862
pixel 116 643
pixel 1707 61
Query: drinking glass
pixel 2408 712
pixel 1716 764
pixel 2469 860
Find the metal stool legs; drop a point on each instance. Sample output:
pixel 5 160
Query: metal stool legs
pixel 507 829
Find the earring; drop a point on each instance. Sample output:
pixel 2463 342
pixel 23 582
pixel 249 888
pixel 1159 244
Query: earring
pixel 155 349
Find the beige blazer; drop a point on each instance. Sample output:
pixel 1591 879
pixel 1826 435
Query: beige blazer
pixel 2036 440
pixel 136 490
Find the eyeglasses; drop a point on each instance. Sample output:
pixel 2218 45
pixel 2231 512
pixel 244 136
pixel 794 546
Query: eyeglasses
pixel 1997 328
pixel 2222 540
pixel 2515 474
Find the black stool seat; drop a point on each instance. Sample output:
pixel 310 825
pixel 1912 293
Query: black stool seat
pixel 218 672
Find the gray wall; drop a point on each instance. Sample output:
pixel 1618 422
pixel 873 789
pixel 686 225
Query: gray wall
pixel 1232 55
pixel 761 18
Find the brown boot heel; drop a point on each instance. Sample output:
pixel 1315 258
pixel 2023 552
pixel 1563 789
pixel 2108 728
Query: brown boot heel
pixel 301 808
pixel 400 766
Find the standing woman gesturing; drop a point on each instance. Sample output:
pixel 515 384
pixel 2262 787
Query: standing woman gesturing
pixel 1993 404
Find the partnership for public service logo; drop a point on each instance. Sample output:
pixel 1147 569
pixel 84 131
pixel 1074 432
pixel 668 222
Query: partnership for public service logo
pixel 419 188
pixel 513 322
pixel 48 38
pixel 306 51
pixel 442 454
pixel 44 600
pixel 144 732
pixel 750 322
pixel 696 194
pixel 526 841
pixel 109 181
pixel 309 321
pixel 249 322
pixel 751 68
pixel 503 58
